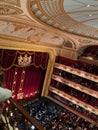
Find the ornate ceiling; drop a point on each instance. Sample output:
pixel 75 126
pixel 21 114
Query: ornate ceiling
pixel 10 7
pixel 36 20
pixel 75 16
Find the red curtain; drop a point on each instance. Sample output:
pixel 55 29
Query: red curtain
pixel 24 81
pixel 27 85
pixel 9 58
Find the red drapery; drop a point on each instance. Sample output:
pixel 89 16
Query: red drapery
pixel 24 81
pixel 25 86
pixel 9 58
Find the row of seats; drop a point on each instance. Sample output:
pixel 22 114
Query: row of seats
pixel 90 68
pixel 79 80
pixel 75 93
pixel 53 117
pixel 75 107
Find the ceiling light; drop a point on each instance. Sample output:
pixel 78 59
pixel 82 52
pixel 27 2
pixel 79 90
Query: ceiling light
pixel 90 15
pixel 88 5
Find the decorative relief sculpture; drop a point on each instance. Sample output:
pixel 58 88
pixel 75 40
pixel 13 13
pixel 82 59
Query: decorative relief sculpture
pixel 24 60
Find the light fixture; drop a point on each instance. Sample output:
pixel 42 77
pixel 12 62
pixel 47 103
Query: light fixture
pixel 88 5
pixel 90 15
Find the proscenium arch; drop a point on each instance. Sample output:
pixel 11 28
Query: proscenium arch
pixel 25 46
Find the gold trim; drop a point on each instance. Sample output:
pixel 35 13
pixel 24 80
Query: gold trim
pixel 74 100
pixel 76 86
pixel 85 33
pixel 37 18
pixel 77 72
pixel 5 9
pixel 75 112
pixel 16 45
pixel 17 3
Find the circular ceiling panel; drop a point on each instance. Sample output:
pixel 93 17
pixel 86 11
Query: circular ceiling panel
pixel 83 11
pixel 75 16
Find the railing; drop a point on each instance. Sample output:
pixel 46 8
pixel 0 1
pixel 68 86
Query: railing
pixel 19 119
pixel 16 117
pixel 75 86
pixel 74 100
pixel 77 72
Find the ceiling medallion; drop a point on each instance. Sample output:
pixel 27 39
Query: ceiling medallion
pixel 8 9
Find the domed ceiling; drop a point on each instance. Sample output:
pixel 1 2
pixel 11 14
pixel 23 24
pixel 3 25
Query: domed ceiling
pixel 75 16
pixel 38 20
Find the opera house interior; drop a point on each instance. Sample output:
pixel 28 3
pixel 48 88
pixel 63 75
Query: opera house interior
pixel 49 61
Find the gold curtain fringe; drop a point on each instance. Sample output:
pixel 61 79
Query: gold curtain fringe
pixel 42 57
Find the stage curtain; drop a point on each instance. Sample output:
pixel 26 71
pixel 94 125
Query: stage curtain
pixel 24 81
pixel 40 59
pixel 32 81
pixel 9 58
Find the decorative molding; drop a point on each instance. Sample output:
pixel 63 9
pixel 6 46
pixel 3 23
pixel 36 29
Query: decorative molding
pixel 24 60
pixel 52 13
pixel 14 2
pixel 74 100
pixel 9 9
pixel 77 72
pixel 70 44
pixel 76 86
pixel 85 41
pixel 15 45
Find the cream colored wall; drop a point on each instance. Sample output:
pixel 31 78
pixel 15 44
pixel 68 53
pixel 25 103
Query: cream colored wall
pixel 78 42
pixel 44 36
pixel 69 53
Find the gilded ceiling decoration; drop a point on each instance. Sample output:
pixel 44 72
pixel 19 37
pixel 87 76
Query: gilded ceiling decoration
pixel 29 33
pixel 74 16
pixel 9 7
pixel 14 2
pixel 34 21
